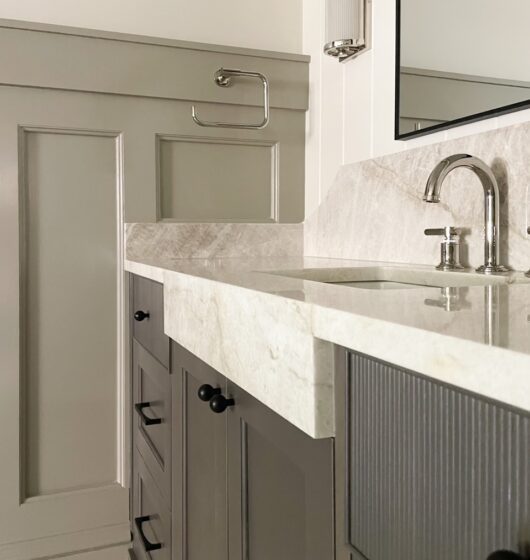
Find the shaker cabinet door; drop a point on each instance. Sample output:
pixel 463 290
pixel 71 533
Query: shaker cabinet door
pixel 280 486
pixel 250 486
pixel 199 462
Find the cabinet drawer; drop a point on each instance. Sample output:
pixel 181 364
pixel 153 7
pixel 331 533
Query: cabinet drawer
pixel 148 313
pixel 152 417
pixel 151 525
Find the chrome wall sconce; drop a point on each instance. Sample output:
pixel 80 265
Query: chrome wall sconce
pixel 347 28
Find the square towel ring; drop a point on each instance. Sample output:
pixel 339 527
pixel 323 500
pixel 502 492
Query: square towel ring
pixel 223 78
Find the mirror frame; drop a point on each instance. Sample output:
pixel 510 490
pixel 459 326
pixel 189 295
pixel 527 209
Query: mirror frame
pixel 503 110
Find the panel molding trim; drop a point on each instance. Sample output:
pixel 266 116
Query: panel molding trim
pixel 147 40
pixel 72 59
pixel 270 215
pixel 120 477
pixel 81 543
pixel 245 536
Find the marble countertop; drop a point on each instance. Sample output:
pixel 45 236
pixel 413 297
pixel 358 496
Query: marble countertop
pixel 273 334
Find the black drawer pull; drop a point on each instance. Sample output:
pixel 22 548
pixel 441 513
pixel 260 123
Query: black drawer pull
pixel 148 545
pixel 141 315
pixel 207 392
pixel 139 407
pixel 219 403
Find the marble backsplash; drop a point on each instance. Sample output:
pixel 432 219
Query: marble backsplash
pixel 374 210
pixel 194 240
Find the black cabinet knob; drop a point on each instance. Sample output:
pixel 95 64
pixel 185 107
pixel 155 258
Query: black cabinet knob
pixel 219 403
pixel 504 555
pixel 206 392
pixel 141 315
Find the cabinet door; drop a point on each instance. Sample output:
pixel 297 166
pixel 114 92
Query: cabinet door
pixel 280 486
pixel 425 470
pixel 199 463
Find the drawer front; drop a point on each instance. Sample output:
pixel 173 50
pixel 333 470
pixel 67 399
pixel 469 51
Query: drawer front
pixel 432 472
pixel 152 417
pixel 151 525
pixel 148 313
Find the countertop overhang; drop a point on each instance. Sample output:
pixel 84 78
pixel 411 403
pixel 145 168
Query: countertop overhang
pixel 273 335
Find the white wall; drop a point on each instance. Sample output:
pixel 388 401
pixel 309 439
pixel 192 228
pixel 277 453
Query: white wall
pixel 352 104
pixel 261 24
pixel 482 40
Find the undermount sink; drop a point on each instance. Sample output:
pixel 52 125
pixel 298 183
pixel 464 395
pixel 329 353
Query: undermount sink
pixel 391 278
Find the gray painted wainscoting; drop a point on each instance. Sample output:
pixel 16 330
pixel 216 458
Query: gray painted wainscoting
pixel 95 130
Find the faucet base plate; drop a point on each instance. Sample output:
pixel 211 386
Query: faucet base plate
pixel 492 268
pixel 448 267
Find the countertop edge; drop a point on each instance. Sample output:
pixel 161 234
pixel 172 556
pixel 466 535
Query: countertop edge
pixel 461 363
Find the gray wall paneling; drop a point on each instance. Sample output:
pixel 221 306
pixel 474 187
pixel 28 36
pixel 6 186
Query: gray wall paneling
pixel 80 117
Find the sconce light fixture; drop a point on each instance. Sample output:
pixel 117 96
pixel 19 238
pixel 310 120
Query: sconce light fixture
pixel 346 28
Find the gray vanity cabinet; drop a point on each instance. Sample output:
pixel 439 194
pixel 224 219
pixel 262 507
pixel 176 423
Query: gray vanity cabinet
pixel 280 485
pixel 425 470
pixel 241 483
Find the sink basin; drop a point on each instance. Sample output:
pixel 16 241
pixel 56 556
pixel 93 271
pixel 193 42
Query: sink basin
pixel 379 285
pixel 395 278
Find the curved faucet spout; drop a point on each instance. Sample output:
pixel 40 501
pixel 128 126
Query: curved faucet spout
pixel 491 202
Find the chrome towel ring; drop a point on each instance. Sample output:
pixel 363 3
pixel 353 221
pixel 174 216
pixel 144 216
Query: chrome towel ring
pixel 223 78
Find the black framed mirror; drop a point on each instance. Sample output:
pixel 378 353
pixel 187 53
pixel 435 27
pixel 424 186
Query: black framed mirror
pixel 459 61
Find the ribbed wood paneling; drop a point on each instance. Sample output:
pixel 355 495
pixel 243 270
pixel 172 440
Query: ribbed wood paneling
pixel 435 474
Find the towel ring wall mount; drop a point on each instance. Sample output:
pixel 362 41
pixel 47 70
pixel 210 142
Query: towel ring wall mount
pixel 224 78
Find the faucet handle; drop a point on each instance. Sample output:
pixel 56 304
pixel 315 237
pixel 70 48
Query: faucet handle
pixel 449 247
pixel 449 232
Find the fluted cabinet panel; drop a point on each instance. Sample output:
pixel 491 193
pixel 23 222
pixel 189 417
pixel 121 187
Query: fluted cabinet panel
pixel 434 473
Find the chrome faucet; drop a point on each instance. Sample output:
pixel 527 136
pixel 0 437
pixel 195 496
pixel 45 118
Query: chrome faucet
pixel 491 200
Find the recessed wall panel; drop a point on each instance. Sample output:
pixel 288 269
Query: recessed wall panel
pixel 69 310
pixel 213 180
